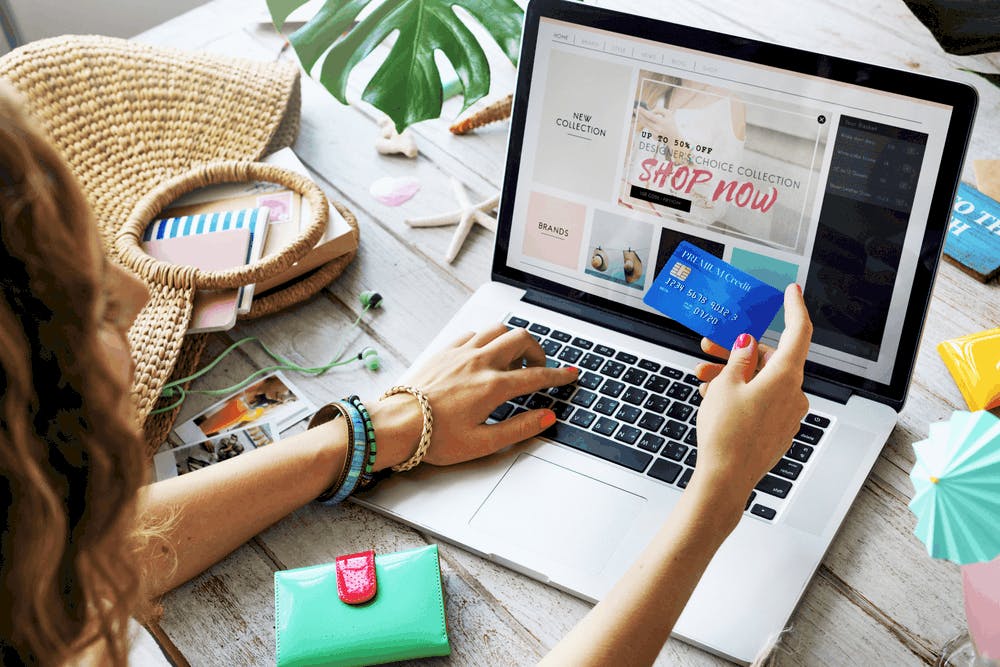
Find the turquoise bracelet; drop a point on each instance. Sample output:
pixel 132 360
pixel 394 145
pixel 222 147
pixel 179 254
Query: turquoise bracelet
pixel 360 447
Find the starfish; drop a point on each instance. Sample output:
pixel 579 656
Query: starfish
pixel 465 216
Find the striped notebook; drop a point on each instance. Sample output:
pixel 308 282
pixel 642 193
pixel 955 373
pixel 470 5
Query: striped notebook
pixel 254 219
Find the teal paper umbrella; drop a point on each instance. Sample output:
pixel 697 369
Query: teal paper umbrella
pixel 957 482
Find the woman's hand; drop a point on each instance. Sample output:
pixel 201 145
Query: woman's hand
pixel 464 383
pixel 752 408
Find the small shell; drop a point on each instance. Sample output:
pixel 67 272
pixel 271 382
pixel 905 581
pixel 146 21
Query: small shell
pixel 491 113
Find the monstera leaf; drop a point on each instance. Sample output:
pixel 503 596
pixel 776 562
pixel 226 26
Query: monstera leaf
pixel 407 86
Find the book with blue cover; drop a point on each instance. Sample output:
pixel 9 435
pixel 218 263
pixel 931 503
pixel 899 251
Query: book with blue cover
pixel 255 219
pixel 973 241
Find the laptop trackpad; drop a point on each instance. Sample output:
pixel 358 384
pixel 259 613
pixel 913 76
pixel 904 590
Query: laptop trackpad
pixel 544 507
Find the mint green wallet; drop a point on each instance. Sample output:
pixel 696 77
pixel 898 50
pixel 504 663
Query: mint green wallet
pixel 339 614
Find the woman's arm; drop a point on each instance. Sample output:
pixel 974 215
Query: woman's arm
pixel 210 512
pixel 744 426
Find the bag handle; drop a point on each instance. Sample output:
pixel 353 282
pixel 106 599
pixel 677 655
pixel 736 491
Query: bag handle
pixel 128 241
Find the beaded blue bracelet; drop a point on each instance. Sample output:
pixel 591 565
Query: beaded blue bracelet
pixel 359 446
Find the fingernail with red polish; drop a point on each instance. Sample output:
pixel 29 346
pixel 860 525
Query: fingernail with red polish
pixel 743 341
pixel 573 368
pixel 798 287
pixel 548 419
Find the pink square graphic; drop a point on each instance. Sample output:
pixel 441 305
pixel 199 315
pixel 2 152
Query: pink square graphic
pixel 553 231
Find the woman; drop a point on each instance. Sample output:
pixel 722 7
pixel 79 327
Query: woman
pixel 87 546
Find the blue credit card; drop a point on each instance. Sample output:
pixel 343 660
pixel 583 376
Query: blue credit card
pixel 712 297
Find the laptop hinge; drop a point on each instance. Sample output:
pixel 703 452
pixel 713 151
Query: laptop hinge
pixel 648 332
pixel 827 390
pixel 614 321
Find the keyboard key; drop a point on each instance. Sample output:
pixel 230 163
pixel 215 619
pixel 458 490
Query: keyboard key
pixel 584 398
pixel 685 478
pixel 582 418
pixel 590 380
pixel 763 512
pixel 676 390
pixel 651 422
pixel 666 471
pixel 562 410
pixel 753 494
pixel 603 448
pixel 648 365
pixel 626 358
pixel 799 452
pixel 628 434
pixel 604 350
pixel 591 362
pixel 539 329
pixel 657 383
pixel 538 401
pixel 672 372
pixel 612 388
pixel 809 434
pixel 612 368
pixel 628 414
pixel 516 412
pixel 570 355
pixel 582 342
pixel 692 380
pixel 693 419
pixel 517 322
pixel 816 420
pixel 674 430
pixel 551 347
pixel 774 486
pixel 605 426
pixel 787 468
pixel 650 442
pixel 606 406
pixel 502 412
pixel 635 376
pixel 521 400
pixel 679 411
pixel 562 393
pixel 657 404
pixel 635 396
pixel 692 437
pixel 694 398
pixel 674 450
pixel 561 336
pixel 692 458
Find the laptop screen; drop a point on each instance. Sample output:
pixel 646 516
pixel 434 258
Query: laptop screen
pixel 629 145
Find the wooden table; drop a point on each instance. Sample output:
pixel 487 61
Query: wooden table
pixel 877 597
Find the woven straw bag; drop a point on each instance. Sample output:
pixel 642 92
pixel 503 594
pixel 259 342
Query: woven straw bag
pixel 139 126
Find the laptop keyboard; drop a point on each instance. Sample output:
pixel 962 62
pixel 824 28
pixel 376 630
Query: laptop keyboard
pixel 641 414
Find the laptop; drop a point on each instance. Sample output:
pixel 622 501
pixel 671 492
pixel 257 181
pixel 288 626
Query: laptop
pixel 628 136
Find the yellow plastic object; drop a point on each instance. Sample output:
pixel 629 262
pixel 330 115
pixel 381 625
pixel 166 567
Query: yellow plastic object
pixel 974 362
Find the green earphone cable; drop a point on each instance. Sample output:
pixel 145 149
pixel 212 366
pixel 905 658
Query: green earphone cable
pixel 176 387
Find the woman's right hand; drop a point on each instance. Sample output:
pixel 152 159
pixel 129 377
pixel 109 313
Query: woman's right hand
pixel 464 383
pixel 752 408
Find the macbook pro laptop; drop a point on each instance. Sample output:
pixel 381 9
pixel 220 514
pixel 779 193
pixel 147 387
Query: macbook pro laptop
pixel 628 136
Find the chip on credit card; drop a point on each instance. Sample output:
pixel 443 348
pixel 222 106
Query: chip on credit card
pixel 712 297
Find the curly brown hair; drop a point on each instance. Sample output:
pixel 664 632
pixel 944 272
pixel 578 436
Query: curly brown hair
pixel 71 460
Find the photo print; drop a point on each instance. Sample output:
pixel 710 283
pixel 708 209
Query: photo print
pixel 187 458
pixel 618 250
pixel 739 164
pixel 270 399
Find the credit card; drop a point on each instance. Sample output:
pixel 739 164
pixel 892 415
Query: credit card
pixel 712 297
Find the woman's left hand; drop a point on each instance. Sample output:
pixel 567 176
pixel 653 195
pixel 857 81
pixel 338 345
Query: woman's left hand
pixel 464 383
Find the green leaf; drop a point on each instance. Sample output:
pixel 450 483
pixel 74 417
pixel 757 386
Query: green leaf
pixel 280 9
pixel 407 86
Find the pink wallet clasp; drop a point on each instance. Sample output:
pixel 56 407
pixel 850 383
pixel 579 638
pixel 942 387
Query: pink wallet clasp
pixel 356 582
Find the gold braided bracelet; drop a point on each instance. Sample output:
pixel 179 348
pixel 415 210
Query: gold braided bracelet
pixel 425 434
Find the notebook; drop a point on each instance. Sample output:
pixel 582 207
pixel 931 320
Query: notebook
pixel 628 137
pixel 213 310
